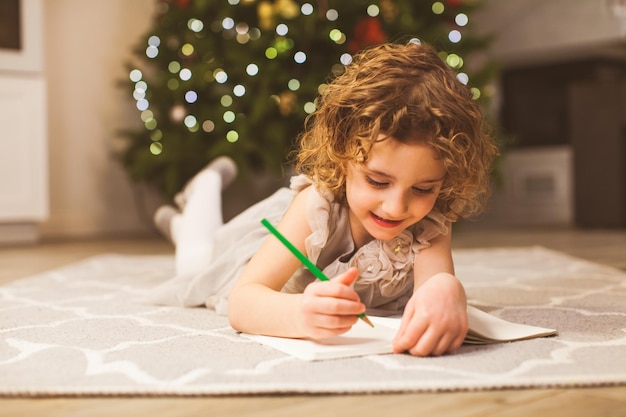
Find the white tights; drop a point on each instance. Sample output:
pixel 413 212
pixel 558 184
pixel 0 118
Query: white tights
pixel 193 230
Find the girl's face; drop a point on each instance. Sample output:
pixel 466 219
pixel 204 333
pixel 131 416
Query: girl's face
pixel 394 189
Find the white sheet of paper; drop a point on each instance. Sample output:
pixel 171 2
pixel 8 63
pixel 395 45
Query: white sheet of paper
pixel 364 340
pixel 359 341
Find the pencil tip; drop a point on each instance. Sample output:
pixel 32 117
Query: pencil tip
pixel 367 320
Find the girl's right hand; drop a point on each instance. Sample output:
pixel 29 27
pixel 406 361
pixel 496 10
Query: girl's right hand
pixel 330 308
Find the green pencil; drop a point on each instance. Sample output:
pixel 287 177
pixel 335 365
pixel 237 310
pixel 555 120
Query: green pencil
pixel 312 267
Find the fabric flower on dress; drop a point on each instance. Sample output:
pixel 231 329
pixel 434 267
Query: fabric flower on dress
pixel 387 263
pixel 400 250
pixel 372 263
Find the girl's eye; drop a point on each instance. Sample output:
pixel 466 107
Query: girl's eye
pixel 416 190
pixel 375 183
pixel 424 190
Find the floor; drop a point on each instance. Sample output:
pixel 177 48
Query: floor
pixel 603 246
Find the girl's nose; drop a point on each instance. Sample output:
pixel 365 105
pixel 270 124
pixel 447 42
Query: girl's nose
pixel 395 204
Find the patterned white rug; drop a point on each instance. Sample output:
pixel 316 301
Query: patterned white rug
pixel 77 331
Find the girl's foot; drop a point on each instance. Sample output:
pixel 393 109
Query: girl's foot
pixel 224 165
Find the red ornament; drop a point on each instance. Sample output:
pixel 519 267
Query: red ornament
pixel 367 32
pixel 453 3
pixel 182 3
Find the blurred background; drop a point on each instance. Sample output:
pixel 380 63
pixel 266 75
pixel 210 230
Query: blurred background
pixel 95 99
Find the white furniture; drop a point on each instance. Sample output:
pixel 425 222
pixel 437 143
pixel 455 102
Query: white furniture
pixel 23 141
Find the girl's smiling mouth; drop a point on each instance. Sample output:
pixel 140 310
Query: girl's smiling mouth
pixel 385 222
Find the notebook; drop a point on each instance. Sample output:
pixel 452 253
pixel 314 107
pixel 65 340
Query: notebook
pixel 364 340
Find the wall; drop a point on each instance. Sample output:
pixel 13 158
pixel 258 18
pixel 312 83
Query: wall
pixel 86 44
pixel 528 31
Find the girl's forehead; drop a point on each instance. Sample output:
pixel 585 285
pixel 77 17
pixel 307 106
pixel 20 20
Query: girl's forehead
pixel 390 145
pixel 416 160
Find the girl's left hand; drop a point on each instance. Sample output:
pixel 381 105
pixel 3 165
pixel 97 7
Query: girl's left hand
pixel 435 318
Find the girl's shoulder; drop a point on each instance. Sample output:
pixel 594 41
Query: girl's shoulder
pixel 300 182
pixel 431 226
pixel 317 202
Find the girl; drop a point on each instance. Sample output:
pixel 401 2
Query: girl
pixel 395 152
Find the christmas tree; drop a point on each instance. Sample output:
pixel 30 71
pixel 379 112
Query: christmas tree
pixel 238 77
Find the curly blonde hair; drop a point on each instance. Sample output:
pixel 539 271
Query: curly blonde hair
pixel 407 92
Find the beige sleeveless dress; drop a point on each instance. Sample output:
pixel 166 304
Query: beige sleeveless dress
pixel 385 281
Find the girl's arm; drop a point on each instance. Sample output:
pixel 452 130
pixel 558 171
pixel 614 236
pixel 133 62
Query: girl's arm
pixel 435 318
pixel 256 305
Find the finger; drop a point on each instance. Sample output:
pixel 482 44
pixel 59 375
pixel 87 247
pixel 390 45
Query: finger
pixel 410 336
pixel 348 277
pixel 426 344
pixel 433 343
pixel 407 318
pixel 324 325
pixel 339 306
pixel 443 346
pixel 331 304
pixel 319 325
pixel 322 333
pixel 327 321
pixel 456 343
pixel 332 290
pixel 454 338
pixel 333 295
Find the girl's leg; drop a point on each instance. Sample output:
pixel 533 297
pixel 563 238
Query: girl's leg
pixel 193 229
